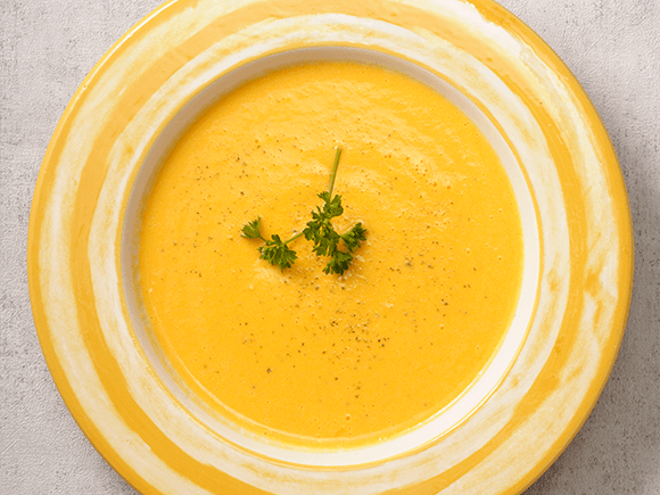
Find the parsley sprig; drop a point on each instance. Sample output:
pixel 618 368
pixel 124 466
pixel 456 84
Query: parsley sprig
pixel 319 230
pixel 276 251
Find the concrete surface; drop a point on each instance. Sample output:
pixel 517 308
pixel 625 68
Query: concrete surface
pixel 48 46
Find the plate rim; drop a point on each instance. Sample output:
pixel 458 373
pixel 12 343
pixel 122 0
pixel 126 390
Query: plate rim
pixel 489 9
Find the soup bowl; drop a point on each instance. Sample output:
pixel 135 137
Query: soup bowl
pixel 496 436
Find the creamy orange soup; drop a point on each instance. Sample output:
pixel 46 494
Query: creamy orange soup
pixel 300 355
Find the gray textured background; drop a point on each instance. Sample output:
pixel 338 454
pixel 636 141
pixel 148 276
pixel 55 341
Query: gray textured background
pixel 48 46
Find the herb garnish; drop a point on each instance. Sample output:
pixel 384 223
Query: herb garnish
pixel 319 230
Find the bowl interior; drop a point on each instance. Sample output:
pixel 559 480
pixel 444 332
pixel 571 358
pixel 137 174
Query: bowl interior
pixel 445 419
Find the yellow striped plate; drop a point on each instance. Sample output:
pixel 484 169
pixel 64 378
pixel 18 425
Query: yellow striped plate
pixel 580 236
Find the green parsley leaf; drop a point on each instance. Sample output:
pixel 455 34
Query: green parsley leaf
pixel 354 237
pixel 339 263
pixel 251 230
pixel 278 253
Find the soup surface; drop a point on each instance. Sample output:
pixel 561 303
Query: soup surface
pixel 297 354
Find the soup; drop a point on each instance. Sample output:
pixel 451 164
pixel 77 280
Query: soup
pixel 299 355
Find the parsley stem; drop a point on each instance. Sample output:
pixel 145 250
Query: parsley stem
pixel 294 237
pixel 335 166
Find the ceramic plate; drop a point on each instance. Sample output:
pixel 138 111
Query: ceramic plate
pixel 538 389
